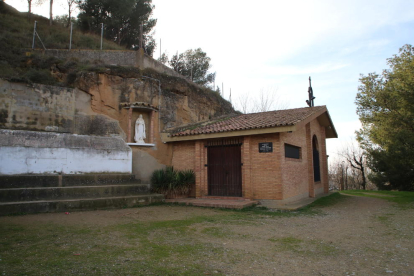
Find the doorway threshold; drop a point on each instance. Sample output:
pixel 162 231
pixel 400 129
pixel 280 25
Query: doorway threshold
pixel 216 202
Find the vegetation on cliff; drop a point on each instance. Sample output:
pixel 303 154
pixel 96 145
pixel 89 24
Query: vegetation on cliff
pixel 193 64
pixel 122 21
pixel 16 37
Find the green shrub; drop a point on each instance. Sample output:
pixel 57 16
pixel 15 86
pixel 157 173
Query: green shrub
pixel 86 42
pixel 39 76
pixel 186 177
pixel 40 62
pixel 6 70
pixel 70 78
pixel 172 183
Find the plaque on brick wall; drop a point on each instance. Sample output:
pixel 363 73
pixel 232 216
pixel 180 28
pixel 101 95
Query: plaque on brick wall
pixel 266 147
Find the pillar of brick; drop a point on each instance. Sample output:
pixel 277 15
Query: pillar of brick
pixel 247 186
pixel 310 160
pixel 129 140
pixel 204 169
pixel 152 121
pixel 324 162
pixel 277 148
pixel 197 169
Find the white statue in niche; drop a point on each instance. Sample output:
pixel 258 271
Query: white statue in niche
pixel 140 130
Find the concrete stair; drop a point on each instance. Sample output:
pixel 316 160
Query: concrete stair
pixel 61 193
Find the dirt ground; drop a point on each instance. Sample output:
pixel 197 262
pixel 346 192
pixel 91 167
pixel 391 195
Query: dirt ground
pixel 357 236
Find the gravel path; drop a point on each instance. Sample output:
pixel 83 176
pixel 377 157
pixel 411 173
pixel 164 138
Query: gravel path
pixel 358 236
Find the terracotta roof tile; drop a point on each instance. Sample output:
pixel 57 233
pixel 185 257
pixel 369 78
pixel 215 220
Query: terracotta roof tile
pixel 287 117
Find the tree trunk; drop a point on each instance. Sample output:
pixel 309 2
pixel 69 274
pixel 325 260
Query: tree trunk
pixel 69 20
pixel 29 2
pixel 364 182
pixel 50 13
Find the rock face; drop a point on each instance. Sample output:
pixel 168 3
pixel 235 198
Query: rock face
pixel 52 109
pixel 179 101
pixel 94 108
pixel 79 110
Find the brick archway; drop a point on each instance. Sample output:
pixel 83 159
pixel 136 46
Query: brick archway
pixel 316 160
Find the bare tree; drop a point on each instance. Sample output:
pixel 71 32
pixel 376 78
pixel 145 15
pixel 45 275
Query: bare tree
pixel 29 2
pixel 242 103
pixel 50 13
pixel 71 8
pixel 267 99
pixel 356 158
pixel 264 101
pixel 40 2
pixel 335 176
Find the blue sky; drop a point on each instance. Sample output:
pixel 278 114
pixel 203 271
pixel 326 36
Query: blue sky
pixel 276 45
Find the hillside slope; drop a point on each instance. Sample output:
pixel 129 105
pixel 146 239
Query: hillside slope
pixel 16 36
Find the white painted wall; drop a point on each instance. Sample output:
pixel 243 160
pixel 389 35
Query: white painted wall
pixel 20 153
pixel 25 160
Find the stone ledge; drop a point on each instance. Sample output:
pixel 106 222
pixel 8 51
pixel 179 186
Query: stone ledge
pixel 38 139
pixel 140 145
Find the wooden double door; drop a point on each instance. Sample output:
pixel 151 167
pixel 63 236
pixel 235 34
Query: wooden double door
pixel 224 170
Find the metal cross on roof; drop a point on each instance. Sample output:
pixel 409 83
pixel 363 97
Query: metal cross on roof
pixel 310 92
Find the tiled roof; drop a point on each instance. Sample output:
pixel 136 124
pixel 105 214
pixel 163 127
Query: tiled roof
pixel 287 117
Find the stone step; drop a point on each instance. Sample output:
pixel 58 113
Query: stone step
pixel 215 202
pixel 44 206
pixel 74 192
pixel 67 180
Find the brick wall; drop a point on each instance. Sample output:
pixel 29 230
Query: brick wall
pixel 317 130
pixel 294 171
pixel 184 155
pixel 309 160
pixel 265 176
pixel 246 153
pixel 263 169
pixel 324 162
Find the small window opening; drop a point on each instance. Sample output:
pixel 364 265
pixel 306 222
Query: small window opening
pixel 292 151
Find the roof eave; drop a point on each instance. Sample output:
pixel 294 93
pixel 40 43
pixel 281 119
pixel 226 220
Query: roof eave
pixel 326 121
pixel 166 137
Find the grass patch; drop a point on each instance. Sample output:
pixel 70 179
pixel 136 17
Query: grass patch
pixel 404 200
pixel 312 248
pixel 327 201
pixel 287 243
pixel 56 250
pixel 217 232
pixel 383 219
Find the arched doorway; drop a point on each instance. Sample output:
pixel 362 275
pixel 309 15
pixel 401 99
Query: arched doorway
pixel 316 163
